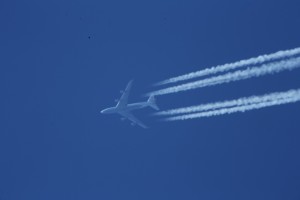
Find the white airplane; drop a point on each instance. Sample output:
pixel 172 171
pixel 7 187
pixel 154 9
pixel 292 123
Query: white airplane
pixel 124 109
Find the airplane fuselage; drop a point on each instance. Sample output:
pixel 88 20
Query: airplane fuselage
pixel 129 107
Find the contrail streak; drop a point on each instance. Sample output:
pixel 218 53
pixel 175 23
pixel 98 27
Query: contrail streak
pixel 270 68
pixel 229 103
pixel 291 96
pixel 231 66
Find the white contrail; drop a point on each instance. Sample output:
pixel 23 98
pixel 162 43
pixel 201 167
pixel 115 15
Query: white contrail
pixel 229 103
pixel 265 69
pixel 284 100
pixel 231 66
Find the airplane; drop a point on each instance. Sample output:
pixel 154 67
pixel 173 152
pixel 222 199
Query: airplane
pixel 124 109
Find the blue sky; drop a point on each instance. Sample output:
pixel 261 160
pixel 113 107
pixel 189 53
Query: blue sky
pixel 63 61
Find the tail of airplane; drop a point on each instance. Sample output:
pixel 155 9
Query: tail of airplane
pixel 152 102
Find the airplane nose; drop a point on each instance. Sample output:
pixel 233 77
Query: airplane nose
pixel 104 111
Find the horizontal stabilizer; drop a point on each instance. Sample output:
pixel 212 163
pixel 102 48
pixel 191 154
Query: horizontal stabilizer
pixel 152 102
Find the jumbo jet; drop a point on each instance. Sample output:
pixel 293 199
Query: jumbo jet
pixel 124 109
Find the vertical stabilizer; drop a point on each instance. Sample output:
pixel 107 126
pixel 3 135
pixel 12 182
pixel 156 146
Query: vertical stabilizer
pixel 152 102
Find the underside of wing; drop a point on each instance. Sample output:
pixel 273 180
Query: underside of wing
pixel 132 118
pixel 124 98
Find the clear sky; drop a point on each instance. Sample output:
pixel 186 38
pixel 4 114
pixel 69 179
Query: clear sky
pixel 63 61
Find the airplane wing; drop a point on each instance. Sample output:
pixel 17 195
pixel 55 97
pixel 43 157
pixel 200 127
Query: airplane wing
pixel 124 98
pixel 133 119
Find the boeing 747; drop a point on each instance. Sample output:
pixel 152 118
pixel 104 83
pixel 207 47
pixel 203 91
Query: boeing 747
pixel 124 109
